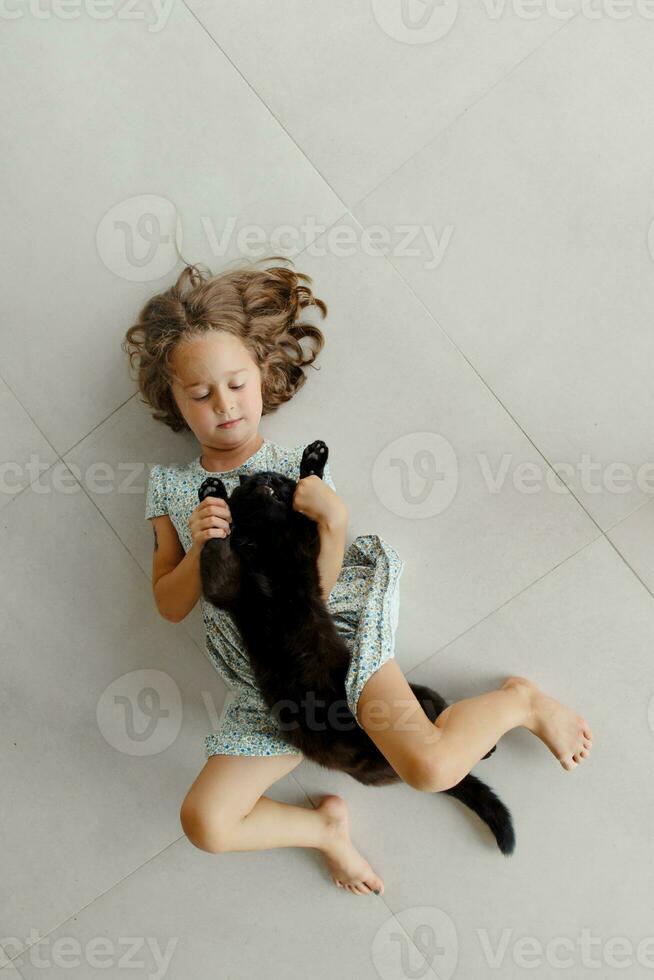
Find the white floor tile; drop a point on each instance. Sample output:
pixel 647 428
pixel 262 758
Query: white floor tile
pixel 361 95
pixel 26 455
pixel 545 280
pixel 634 539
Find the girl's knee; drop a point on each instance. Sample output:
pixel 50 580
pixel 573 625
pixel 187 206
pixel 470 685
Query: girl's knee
pixel 201 829
pixel 437 774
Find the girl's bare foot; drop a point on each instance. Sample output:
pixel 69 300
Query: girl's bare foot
pixel 566 734
pixel 348 868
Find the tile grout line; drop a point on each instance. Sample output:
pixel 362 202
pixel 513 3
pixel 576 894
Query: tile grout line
pixel 602 533
pixel 511 598
pixel 455 346
pixel 101 422
pixel 263 103
pixel 648 500
pixel 308 797
pixel 412 156
pixel 382 897
pixel 472 105
pixel 60 458
pixel 83 908
pixel 620 555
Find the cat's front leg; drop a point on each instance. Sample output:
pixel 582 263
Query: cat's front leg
pixel 220 572
pixel 213 486
pixel 220 566
pixel 314 459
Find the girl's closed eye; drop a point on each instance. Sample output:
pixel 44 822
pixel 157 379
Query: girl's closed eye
pixel 202 397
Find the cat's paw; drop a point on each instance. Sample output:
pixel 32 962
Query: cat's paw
pixel 314 459
pixel 212 487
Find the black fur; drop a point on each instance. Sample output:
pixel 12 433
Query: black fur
pixel 265 575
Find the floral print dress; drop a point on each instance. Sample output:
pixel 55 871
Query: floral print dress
pixel 364 604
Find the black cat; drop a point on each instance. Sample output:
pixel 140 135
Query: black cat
pixel 265 574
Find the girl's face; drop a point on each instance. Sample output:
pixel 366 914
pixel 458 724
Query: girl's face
pixel 218 381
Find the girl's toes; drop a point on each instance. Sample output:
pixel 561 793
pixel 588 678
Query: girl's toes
pixel 568 764
pixel 588 744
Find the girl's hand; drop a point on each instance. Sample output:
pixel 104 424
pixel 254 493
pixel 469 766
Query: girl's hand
pixel 317 501
pixel 210 519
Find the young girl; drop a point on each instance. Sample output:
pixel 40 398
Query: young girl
pixel 214 354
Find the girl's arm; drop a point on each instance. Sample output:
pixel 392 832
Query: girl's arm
pixel 177 592
pixel 333 534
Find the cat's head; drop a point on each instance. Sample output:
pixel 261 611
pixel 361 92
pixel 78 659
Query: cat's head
pixel 262 504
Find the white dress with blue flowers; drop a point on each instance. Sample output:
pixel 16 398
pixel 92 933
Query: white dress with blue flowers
pixel 364 604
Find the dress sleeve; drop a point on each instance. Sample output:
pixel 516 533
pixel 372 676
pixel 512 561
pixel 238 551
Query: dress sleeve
pixel 156 503
pixel 327 477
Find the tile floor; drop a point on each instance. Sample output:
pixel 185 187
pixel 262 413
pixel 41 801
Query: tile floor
pixel 470 187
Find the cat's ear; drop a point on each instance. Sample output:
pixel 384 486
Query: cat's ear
pixel 241 478
pixel 220 572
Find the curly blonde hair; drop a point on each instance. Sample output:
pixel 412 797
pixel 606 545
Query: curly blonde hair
pixel 260 307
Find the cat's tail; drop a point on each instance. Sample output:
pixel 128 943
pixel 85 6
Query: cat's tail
pixel 489 807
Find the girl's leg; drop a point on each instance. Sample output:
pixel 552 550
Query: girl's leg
pixel 225 810
pixel 436 756
pixel 218 812
pixel 472 726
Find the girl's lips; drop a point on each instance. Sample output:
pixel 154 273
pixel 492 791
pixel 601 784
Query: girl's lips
pixel 228 425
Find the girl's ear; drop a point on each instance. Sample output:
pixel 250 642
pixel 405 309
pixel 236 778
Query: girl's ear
pixel 220 572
